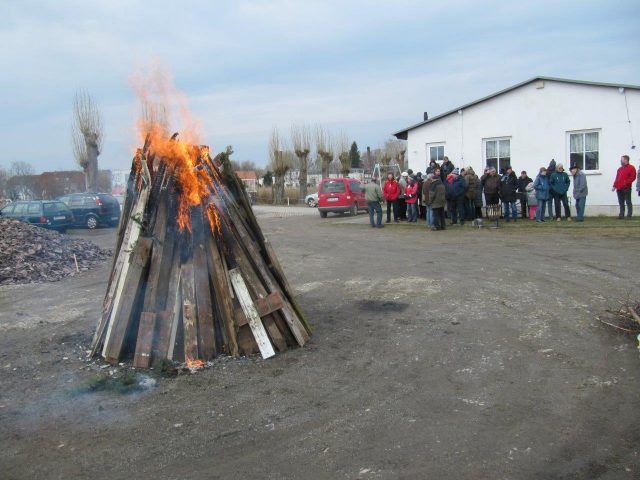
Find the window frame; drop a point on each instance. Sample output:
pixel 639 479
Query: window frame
pixel 583 132
pixel 498 158
pixel 429 146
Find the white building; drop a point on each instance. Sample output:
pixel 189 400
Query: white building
pixel 526 125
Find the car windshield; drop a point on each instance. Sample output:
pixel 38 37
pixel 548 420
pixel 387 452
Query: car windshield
pixel 333 187
pixel 55 207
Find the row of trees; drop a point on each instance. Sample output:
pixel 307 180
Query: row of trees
pixel 20 182
pixel 305 142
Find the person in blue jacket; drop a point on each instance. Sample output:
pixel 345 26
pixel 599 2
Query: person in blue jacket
pixel 456 190
pixel 541 187
pixel 559 183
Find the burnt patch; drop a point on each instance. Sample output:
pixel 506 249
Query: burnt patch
pixel 381 306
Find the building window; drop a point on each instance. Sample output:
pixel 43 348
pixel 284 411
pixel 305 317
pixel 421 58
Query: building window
pixel 435 152
pixel 584 150
pixel 497 153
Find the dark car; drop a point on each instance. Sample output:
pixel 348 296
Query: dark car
pixel 93 209
pixel 51 214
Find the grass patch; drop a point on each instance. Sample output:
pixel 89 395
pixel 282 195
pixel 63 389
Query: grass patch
pixel 122 384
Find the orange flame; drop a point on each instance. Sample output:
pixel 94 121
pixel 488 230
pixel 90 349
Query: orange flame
pixel 160 99
pixel 194 364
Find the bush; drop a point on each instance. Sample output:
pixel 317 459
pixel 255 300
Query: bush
pixel 265 196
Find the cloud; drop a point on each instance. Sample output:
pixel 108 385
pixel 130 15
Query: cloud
pixel 368 67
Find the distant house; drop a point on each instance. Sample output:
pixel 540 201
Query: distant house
pixel 526 125
pixel 249 178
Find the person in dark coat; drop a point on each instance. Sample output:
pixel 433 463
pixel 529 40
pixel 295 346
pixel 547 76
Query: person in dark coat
pixel 437 200
pixel 523 181
pixel 432 167
pixel 559 183
pixel 508 187
pixel 490 182
pixel 541 187
pixel 422 208
pixel 550 171
pixel 456 189
pixel 473 185
pixel 446 168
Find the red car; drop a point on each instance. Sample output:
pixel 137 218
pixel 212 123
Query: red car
pixel 340 195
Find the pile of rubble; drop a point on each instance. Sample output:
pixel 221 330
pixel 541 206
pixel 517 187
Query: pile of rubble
pixel 32 254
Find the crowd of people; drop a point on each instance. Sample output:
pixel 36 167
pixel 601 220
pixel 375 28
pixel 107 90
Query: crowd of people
pixel 460 195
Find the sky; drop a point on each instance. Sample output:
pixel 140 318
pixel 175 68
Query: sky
pixel 368 68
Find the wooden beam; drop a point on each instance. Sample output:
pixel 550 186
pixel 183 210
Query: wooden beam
pixel 131 288
pixel 257 328
pixel 190 327
pixel 204 307
pixel 270 304
pixel 144 342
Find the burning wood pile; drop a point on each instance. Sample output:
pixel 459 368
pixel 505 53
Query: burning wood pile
pixel 193 276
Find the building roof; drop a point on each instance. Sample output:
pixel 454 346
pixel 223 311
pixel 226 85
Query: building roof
pixel 247 174
pixel 402 134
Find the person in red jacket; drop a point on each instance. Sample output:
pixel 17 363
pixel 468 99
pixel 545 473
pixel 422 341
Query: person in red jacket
pixel 625 177
pixel 411 193
pixel 391 192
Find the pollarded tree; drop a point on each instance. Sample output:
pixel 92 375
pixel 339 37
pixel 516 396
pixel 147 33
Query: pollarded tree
pixel 324 149
pixel 86 137
pixel 279 165
pixel 301 141
pixel 396 150
pixel 342 150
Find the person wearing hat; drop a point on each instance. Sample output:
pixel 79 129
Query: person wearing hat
pixel 508 187
pixel 541 187
pixel 402 204
pixel 373 196
pixel 580 191
pixel 521 192
pixel 412 200
pixel 456 188
pixel 559 186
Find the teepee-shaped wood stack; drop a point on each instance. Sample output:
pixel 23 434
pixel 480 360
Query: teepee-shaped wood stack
pixel 193 276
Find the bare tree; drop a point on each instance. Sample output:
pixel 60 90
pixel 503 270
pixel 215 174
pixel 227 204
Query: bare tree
pixel 279 165
pixel 324 149
pixel 21 182
pixel 396 150
pixel 301 141
pixel 86 137
pixel 4 177
pixel 342 150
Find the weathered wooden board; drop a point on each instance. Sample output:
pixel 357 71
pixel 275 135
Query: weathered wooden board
pixel 132 287
pixel 257 328
pixel 146 327
pixel 189 312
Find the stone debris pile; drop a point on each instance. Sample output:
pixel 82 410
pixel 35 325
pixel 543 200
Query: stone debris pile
pixel 30 254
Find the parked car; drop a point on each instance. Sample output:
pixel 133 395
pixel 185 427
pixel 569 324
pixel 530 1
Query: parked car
pixel 311 200
pixel 93 209
pixel 340 195
pixel 51 214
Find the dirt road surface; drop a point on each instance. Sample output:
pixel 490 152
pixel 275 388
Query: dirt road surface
pixel 462 354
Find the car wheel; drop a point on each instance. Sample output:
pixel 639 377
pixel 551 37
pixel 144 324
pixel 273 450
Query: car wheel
pixel 92 222
pixel 311 203
pixel 323 214
pixel 354 209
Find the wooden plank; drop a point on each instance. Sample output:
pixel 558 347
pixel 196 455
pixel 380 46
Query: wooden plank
pixel 163 335
pixel 257 328
pixel 132 287
pixel 202 289
pixel 269 304
pixel 190 327
pixel 144 341
pixel 173 305
pixel 128 251
pixel 275 335
pixel 223 294
pixel 154 278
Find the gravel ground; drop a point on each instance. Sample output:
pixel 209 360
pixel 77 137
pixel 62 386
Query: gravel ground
pixel 465 354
